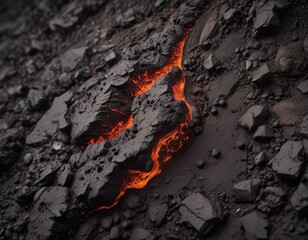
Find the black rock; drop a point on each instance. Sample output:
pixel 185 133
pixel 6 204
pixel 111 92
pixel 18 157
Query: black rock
pixel 66 175
pixel 115 233
pixel 157 213
pixel 299 199
pixel 246 191
pixel 215 153
pixel 136 143
pixel 47 176
pixel 254 117
pixel 201 163
pixel 260 159
pixel 200 212
pixel 107 222
pixel 289 161
pixel 133 201
pixel 211 63
pixel 52 121
pixel 255 226
pixel 53 215
pixel 28 159
pixel 264 133
pixel 261 75
pixel 141 234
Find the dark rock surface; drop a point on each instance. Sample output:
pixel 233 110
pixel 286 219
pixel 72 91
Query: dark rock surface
pixel 255 226
pixel 54 213
pixel 246 191
pixel 200 212
pixel 136 143
pixel 289 161
pixel 254 117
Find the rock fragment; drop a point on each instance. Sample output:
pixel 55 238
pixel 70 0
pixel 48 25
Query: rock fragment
pixel 303 87
pixel 115 233
pixel 246 191
pixel 299 199
pixel 133 201
pixel 53 215
pixel 255 226
pixel 264 133
pixel 71 58
pixel 52 121
pixel 260 158
pixel 211 63
pixel 66 175
pixel 210 27
pixel 157 213
pixel 254 117
pixel 288 162
pixel 141 234
pixel 261 75
pixel 201 213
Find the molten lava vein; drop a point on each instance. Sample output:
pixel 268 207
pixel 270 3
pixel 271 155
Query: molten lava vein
pixel 171 142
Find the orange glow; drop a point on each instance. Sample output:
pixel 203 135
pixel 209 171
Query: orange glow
pixel 115 131
pixel 169 144
pixel 145 81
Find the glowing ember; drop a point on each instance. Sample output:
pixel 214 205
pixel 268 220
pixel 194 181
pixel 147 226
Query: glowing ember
pixel 171 142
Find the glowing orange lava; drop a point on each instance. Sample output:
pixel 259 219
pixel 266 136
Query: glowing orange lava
pixel 171 142
pixel 115 131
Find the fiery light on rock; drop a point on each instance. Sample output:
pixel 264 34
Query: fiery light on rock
pixel 171 142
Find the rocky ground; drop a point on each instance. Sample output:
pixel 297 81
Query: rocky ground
pixel 79 117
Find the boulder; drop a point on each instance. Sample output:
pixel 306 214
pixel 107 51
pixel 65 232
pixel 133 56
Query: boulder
pixel 254 117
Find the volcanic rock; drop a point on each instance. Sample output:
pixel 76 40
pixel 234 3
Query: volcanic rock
pixel 288 162
pixel 254 117
pixel 260 159
pixel 211 63
pixel 246 191
pixel 264 133
pixel 201 163
pixel 133 201
pixel 141 234
pixel 303 87
pixel 66 175
pixel 157 213
pixel 267 18
pixel 299 199
pixel 210 27
pixel 255 226
pixel 291 60
pixel 200 213
pixel 36 99
pixel 303 127
pixel 53 215
pixel 115 233
pixel 52 121
pixel 70 59
pixel 215 153
pixel 232 15
pixel 47 176
pixel 109 99
pixel 107 222
pixel 101 187
pixel 261 75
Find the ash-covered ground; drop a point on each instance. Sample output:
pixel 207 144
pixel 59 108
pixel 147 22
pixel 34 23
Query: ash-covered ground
pixel 99 139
